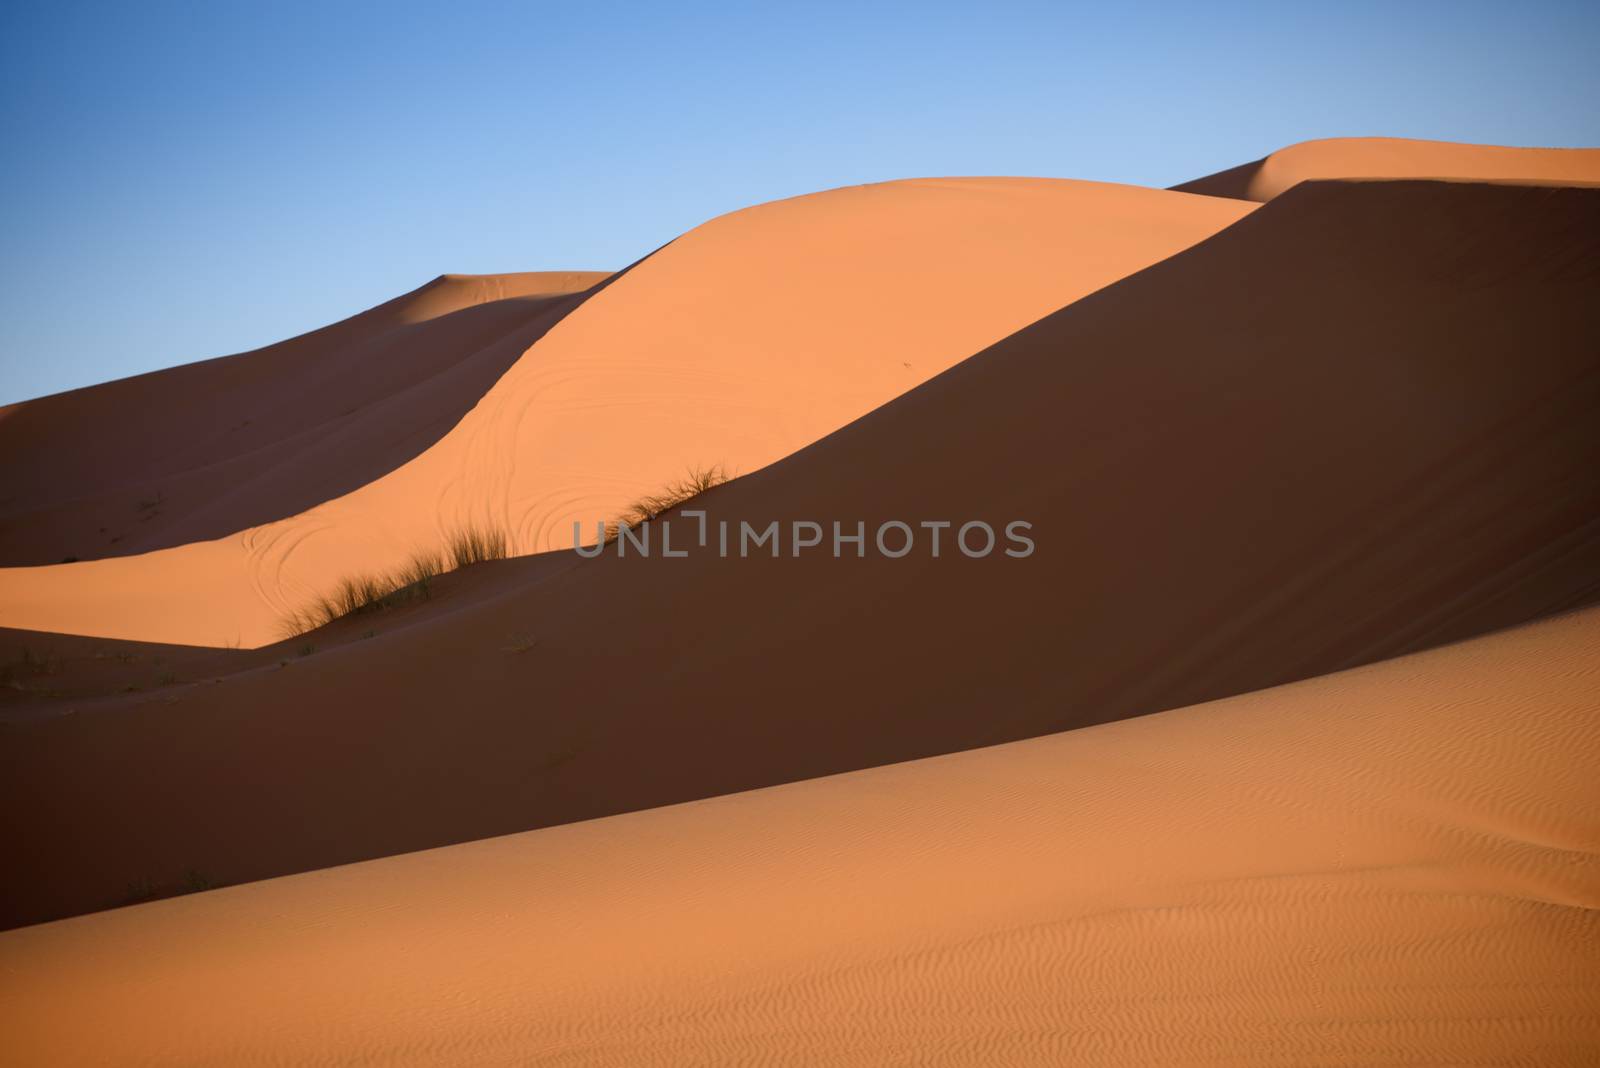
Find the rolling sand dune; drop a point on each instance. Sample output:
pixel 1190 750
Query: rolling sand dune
pixel 207 449
pixel 1359 422
pixel 1395 865
pixel 740 342
pixel 1394 157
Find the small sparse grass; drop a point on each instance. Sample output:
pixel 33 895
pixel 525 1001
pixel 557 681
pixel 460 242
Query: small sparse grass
pixel 422 567
pixel 367 593
pixel 28 664
pixel 412 581
pixel 641 511
pixel 474 545
pixel 141 890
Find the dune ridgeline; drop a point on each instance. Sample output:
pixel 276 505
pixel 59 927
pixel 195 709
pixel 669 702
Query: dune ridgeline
pixel 1270 742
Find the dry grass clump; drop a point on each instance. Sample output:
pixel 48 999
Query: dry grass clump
pixel 641 511
pixel 367 593
pixel 474 545
pixel 360 594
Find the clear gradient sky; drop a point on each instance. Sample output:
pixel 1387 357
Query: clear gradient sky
pixel 180 181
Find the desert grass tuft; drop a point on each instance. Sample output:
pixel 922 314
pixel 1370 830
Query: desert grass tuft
pixel 685 489
pixel 412 581
pixel 474 545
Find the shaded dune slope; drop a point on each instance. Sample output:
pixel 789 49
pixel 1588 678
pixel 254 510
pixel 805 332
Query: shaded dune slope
pixel 1395 157
pixel 736 344
pixel 1399 864
pixel 43 673
pixel 1358 423
pixel 207 449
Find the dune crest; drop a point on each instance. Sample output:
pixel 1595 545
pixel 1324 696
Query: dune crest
pixel 1396 863
pixel 207 449
pixel 1395 157
pixel 738 343
pixel 1356 424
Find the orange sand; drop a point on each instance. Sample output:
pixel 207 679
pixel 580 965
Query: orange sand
pixel 1395 865
pixel 211 448
pixel 740 342
pixel 1394 157
pixel 1356 424
pixel 1311 442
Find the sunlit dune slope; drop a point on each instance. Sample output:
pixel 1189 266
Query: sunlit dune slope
pixel 1395 865
pixel 740 342
pixel 1358 423
pixel 207 449
pixel 1395 157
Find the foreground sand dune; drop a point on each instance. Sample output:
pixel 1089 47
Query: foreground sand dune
pixel 207 449
pixel 1358 423
pixel 1395 157
pixel 740 342
pixel 1395 865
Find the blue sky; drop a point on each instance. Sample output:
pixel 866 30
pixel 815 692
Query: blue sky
pixel 180 181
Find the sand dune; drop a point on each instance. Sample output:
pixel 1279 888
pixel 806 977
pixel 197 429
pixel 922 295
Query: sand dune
pixel 1395 865
pixel 211 448
pixel 1358 423
pixel 738 343
pixel 1394 157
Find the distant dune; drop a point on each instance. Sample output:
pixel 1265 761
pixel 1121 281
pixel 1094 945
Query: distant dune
pixel 1394 865
pixel 737 344
pixel 208 449
pixel 1358 423
pixel 1394 157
